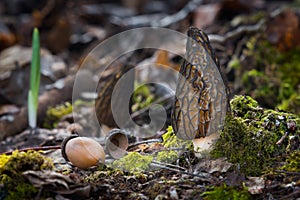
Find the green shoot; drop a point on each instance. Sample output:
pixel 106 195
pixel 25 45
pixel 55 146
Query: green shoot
pixel 35 77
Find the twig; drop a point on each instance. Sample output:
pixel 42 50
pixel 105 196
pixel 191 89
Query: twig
pixel 282 138
pixel 203 176
pixel 286 172
pixel 290 196
pixel 170 165
pixel 242 29
pixel 236 32
pixel 44 148
pixel 171 19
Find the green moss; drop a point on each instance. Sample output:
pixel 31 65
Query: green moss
pixel 271 76
pixel 22 191
pixel 133 162
pixel 54 114
pixel 166 156
pixel 234 63
pixel 21 161
pixel 253 78
pixel 3 160
pixel 226 192
pixel 142 97
pixel 245 107
pixel 11 168
pixel 293 162
pixel 249 137
pixel 170 140
pixel 250 148
pixel 292 104
pixel 97 176
pixel 289 66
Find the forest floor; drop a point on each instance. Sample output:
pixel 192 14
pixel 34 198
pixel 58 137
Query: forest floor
pixel 256 153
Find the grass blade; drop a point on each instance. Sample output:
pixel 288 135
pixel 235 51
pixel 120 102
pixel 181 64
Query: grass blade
pixel 35 77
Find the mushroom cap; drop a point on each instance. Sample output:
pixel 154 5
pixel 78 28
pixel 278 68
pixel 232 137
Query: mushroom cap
pixel 201 98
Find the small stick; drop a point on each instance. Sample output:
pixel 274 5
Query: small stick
pixel 203 177
pixel 286 172
pixel 44 148
pixel 236 32
pixel 171 19
pixel 170 165
pixel 282 138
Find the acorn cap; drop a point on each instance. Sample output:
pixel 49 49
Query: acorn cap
pixel 63 145
pixel 116 143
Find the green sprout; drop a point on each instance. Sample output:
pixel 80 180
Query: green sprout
pixel 35 77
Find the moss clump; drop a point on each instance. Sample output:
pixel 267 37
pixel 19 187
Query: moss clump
pixel 251 148
pixel 105 173
pixel 170 140
pixel 54 114
pixel 293 162
pixel 21 191
pixel 167 156
pixel 226 192
pixel 249 137
pixel 245 107
pixel 11 168
pixel 133 162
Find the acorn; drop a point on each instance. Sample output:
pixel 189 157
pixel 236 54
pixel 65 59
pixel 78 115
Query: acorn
pixel 82 152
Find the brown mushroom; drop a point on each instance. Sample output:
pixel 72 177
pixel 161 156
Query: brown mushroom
pixel 201 99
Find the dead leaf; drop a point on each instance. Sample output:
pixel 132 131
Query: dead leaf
pixel 56 182
pixel 58 38
pixel 235 178
pixel 7 38
pixel 217 165
pixel 162 58
pixel 10 56
pixel 284 31
pixel 154 147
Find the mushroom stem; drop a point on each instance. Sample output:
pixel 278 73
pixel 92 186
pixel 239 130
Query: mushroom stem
pixel 203 145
